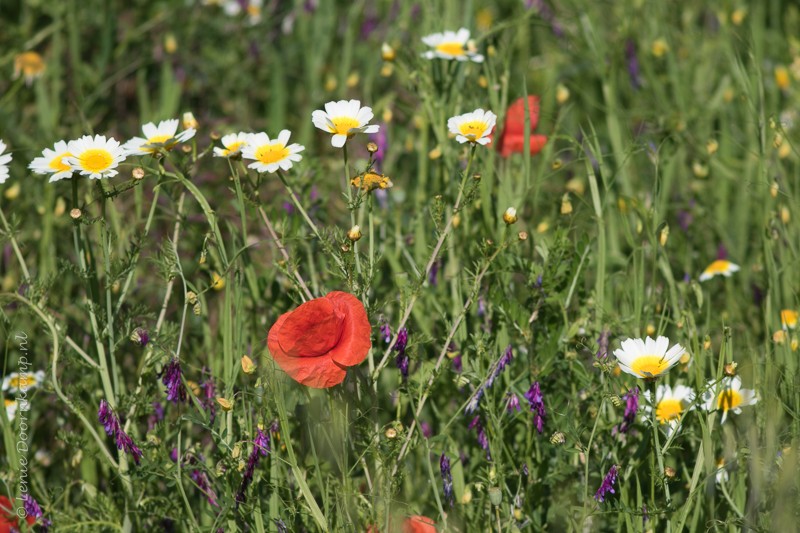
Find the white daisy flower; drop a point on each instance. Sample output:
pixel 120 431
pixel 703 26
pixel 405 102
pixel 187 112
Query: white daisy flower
pixel 53 162
pixel 270 155
pixel 647 358
pixel 5 159
pixel 728 395
pixel 344 119
pixel 234 143
pixel 473 127
pixel 11 409
pixel 15 382
pixel 451 45
pixel 156 137
pixel 720 267
pixel 254 11
pixel 96 157
pixel 671 404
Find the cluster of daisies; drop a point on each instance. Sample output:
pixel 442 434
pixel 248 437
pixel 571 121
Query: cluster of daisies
pixel 16 383
pixel 650 359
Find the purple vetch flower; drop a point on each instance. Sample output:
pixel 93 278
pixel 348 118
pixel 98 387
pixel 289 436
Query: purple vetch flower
pixel 288 207
pixel 33 510
pixel 631 407
pixel 400 347
pixel 481 306
pixel 171 378
pixel 426 430
pixel 156 417
pixel 455 355
pixel 722 252
pixel 113 428
pixel 447 479
pixel 645 516
pixel 204 485
pixel 607 486
pixel 209 394
pixel 474 401
pixel 602 344
pixel 483 440
pixel 525 470
pixel 433 275
pixel 386 332
pixel 535 398
pixel 513 403
pixel 173 454
pixel 501 363
pixel 633 64
pixel 140 337
pixel 260 448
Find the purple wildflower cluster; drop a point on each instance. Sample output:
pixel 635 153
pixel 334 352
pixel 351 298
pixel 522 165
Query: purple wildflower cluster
pixel 171 378
pixel 483 440
pixel 386 332
pixel 209 393
pixel 535 398
pixel 204 485
pixel 607 486
pixel 33 510
pixel 501 363
pixel 156 417
pixel 113 428
pixel 447 479
pixel 513 403
pixel 400 347
pixel 260 449
pixel 631 407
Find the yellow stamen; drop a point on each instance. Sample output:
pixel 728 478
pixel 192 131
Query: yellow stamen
pixel 58 164
pixel 95 160
pixel 668 409
pixel 271 153
pixel 729 399
pixel 233 148
pixel 649 366
pixel 343 125
pixel 453 49
pixel 473 129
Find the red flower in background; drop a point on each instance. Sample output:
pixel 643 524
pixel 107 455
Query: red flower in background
pixel 512 139
pixel 419 524
pixel 8 520
pixel 316 342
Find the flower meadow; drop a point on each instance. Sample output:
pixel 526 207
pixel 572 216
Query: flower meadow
pixel 399 266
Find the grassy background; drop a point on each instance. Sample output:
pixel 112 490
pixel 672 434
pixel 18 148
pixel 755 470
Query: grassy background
pixel 630 152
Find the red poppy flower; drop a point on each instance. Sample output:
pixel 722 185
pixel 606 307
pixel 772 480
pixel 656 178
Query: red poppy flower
pixel 512 139
pixel 316 342
pixel 419 524
pixel 9 520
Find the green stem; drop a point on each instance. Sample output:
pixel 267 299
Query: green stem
pixel 15 246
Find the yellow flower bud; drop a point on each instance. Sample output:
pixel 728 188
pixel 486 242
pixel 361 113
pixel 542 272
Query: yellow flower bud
pixel 217 282
pixel 510 216
pixel 542 227
pixel 12 192
pixel 387 52
pixel 352 80
pixel 562 94
pixel 189 122
pixel 387 69
pixel 737 17
pixel 434 154
pixel 782 77
pixel 712 146
pixel 170 44
pixel 248 366
pixel 566 205
pixel 659 47
pixel 226 404
pixel 355 233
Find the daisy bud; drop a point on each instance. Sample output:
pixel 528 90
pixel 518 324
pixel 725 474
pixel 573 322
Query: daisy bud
pixel 483 82
pixel 576 186
pixel 330 83
pixel 712 146
pixel 779 337
pixel 700 170
pixel 226 404
pixel 189 122
pixel 542 227
pixel 773 189
pixel 562 94
pixel 12 192
pixel 786 215
pixel 387 70
pixel 523 235
pixel 248 366
pixel 456 220
pixel 730 368
pixel 355 233
pixel 669 472
pixel 782 77
pixel 352 80
pixel 566 205
pixel 390 433
pixel 215 135
pixel 387 115
pixel 170 44
pixel 510 216
pixel 75 213
pixel 784 151
pixel 61 207
pixel 372 148
pixel 476 177
pixel 556 164
pixel 186 149
pixel 434 154
pixel 707 343
pixel 650 329
pixel 137 173
pixel 387 52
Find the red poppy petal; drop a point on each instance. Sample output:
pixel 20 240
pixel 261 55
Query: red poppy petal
pixel 419 524
pixel 355 342
pixel 515 116
pixel 310 330
pixel 515 144
pixel 316 372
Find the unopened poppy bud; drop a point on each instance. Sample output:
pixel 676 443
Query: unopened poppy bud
pixel 495 496
pixel 189 122
pixel 523 235
pixel 510 216
pixel 355 233
pixel 387 52
pixel 730 368
pixel 669 472
pixel 248 366
pixel 226 404
pixel 566 204
pixel 138 173
pixel 372 148
pixel 75 213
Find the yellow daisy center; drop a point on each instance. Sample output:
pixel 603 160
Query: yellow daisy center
pixel 473 129
pixel 720 266
pixel 233 148
pixel 729 399
pixel 58 164
pixel 453 49
pixel 649 366
pixel 9 403
pixel 342 125
pixel 95 160
pixel 20 382
pixel 668 409
pixel 271 153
